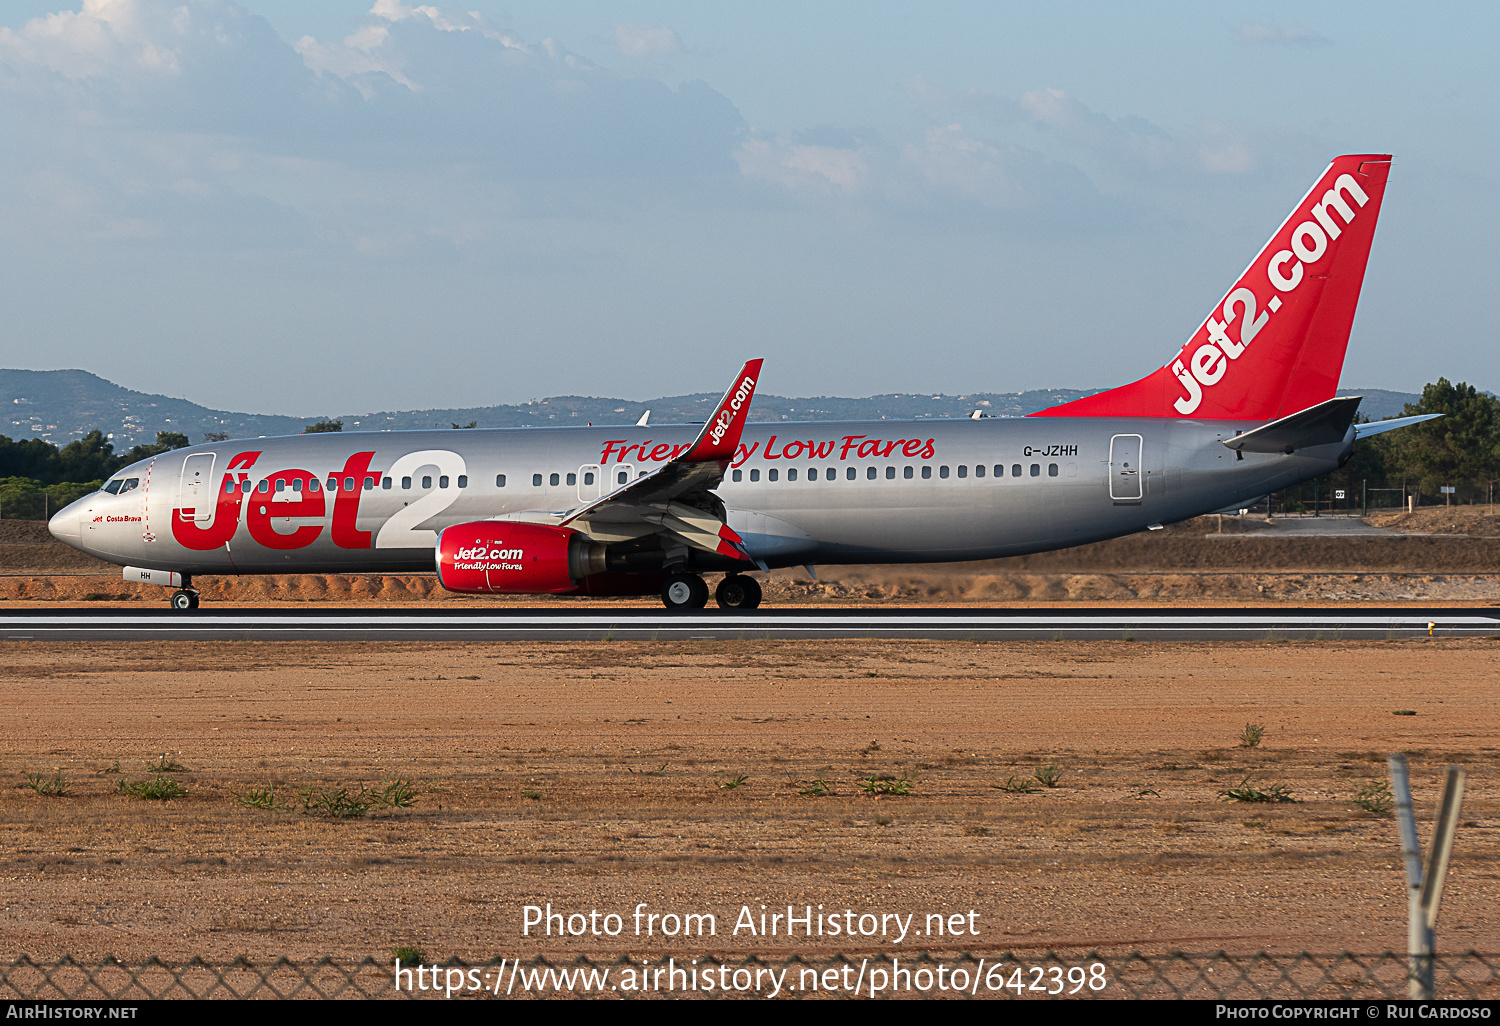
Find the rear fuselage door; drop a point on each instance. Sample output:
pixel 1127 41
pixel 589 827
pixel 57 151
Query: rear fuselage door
pixel 196 494
pixel 1126 482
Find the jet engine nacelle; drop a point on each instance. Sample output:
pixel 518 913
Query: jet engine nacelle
pixel 497 556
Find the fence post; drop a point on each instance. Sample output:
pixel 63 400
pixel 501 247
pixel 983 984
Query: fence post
pixel 1424 892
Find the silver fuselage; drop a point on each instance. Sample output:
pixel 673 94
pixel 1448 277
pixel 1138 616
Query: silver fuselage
pixel 868 492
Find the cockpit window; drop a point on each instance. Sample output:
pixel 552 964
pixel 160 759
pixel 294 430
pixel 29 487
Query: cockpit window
pixel 121 485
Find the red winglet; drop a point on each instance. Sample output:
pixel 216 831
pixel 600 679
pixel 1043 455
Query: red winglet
pixel 720 437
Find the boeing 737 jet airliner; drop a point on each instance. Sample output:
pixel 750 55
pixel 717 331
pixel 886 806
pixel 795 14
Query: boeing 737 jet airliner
pixel 1245 407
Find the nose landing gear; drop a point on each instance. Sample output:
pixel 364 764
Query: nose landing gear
pixel 185 599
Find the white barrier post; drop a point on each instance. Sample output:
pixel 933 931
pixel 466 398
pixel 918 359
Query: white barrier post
pixel 1424 891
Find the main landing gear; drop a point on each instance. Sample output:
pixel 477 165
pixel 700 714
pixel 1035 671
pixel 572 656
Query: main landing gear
pixel 688 591
pixel 684 591
pixel 737 591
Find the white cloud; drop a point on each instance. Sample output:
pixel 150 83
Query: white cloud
pixel 1132 144
pixel 112 38
pixel 411 84
pixel 371 49
pixel 953 161
pixel 949 175
pixel 360 54
pixel 646 40
pixel 1262 33
pixel 1122 147
pixel 801 167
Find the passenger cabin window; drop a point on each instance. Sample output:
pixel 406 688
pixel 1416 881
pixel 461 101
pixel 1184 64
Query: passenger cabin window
pixel 442 480
pixel 406 482
pixel 754 475
pixel 572 480
pixel 1036 470
pixel 426 482
pixel 979 470
pixel 536 480
pixel 963 471
pixel 263 486
pixel 280 485
pixel 553 480
pixel 890 473
pixel 588 478
pixel 313 485
pixel 906 473
pixel 463 480
pixel 772 474
pixel 623 477
pixel 738 476
pixel 791 475
pixel 1052 470
pixel 1015 470
pixel 869 473
pixel 926 473
pixel 831 474
pixel 369 483
pixel 499 480
pixel 385 483
pixel 812 473
pixel 943 472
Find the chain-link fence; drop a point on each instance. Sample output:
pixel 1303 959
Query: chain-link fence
pixel 1344 976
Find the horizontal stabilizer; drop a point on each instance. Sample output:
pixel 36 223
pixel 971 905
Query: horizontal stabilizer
pixel 1381 426
pixel 1324 424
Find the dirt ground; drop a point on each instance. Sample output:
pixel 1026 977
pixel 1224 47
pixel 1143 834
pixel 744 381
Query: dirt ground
pixel 688 776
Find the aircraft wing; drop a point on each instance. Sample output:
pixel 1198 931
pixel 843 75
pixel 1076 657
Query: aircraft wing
pixel 677 498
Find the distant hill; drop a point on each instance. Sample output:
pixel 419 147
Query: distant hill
pixel 60 406
pixel 67 404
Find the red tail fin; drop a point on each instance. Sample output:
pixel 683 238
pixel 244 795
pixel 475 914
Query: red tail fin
pixel 1275 344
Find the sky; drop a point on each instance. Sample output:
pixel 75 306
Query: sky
pixel 282 207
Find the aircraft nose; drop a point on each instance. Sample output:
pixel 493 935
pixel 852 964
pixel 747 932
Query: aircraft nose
pixel 66 525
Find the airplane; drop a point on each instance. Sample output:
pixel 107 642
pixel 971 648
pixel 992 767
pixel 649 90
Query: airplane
pixel 1245 407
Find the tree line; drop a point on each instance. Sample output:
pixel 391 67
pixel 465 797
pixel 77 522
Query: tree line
pixel 38 478
pixel 1461 450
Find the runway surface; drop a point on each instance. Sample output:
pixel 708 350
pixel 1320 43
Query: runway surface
pixel 1155 624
